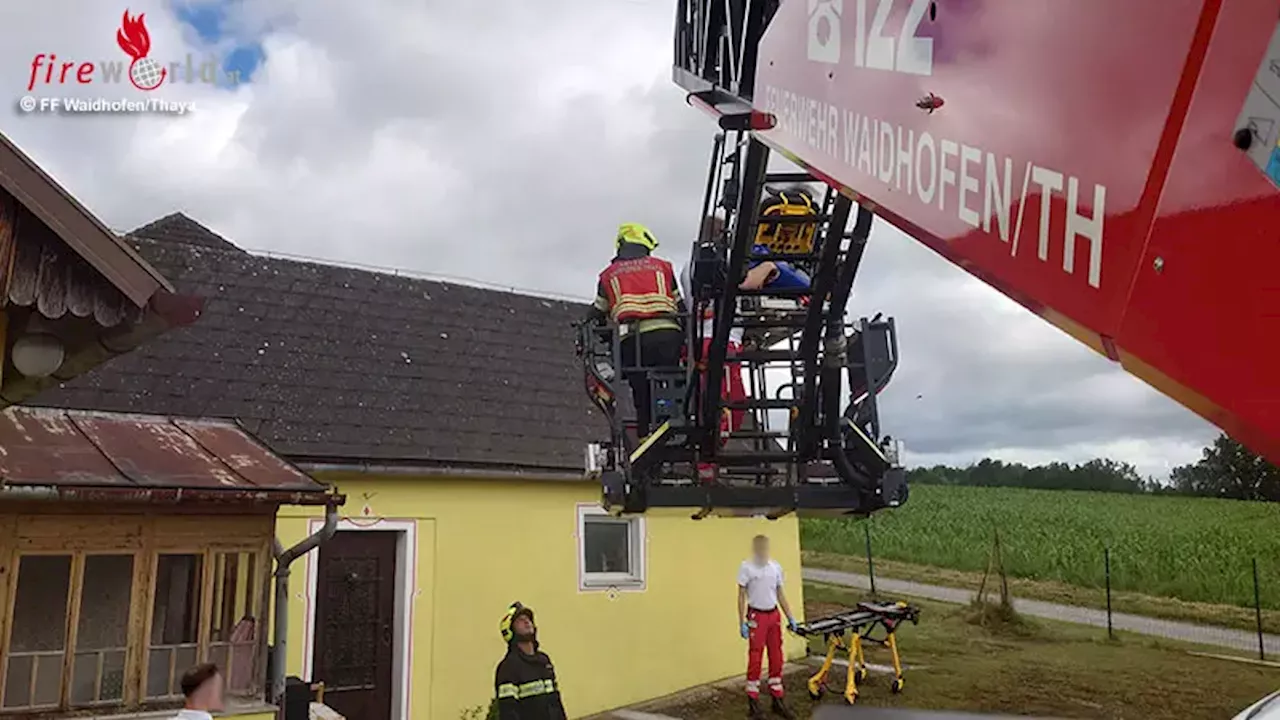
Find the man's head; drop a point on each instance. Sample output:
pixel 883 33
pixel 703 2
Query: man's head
pixel 760 548
pixel 202 687
pixel 712 230
pixel 517 624
pixel 522 626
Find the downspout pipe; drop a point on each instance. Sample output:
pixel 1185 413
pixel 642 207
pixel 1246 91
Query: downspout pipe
pixel 285 558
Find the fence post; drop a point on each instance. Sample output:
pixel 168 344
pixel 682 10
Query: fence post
pixel 1106 561
pixel 1257 609
pixel 871 567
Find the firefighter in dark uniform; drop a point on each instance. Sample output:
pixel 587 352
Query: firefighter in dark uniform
pixel 525 683
pixel 640 294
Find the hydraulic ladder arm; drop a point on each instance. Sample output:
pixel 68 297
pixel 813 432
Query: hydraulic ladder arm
pixel 826 455
pixel 1113 167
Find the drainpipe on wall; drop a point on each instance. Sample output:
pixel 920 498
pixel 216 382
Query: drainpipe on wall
pixel 284 558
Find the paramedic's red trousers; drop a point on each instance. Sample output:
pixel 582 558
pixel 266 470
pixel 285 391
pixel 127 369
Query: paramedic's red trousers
pixel 731 390
pixel 731 387
pixel 766 632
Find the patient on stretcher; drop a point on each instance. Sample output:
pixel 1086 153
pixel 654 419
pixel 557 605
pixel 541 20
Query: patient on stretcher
pixel 773 274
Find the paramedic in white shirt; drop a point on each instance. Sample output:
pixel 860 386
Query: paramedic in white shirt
pixel 760 596
pixel 202 688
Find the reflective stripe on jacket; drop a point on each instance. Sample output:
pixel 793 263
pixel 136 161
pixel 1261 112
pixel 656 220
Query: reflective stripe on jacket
pixel 526 688
pixel 637 289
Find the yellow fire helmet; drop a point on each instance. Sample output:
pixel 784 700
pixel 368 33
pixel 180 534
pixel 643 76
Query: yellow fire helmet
pixel 635 233
pixel 508 619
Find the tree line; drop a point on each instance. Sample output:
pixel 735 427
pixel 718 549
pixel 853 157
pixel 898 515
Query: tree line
pixel 1226 469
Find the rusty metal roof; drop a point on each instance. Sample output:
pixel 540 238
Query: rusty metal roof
pixel 79 451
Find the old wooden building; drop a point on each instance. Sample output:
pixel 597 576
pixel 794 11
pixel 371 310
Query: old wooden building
pixel 73 294
pixel 131 546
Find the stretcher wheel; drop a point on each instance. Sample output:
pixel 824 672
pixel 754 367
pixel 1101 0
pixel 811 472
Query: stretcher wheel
pixel 817 685
pixel 897 685
pixel 863 672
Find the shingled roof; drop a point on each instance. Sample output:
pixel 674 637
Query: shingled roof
pixel 337 365
pixel 178 228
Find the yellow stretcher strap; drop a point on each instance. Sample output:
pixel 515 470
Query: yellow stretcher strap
pixel 789 238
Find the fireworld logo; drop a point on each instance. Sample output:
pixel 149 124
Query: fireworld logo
pixel 132 37
pixel 143 71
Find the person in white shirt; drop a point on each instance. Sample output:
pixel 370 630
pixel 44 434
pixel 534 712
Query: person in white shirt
pixel 760 596
pixel 202 688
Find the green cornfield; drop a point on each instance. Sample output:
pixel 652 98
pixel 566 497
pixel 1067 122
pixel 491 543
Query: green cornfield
pixel 1198 549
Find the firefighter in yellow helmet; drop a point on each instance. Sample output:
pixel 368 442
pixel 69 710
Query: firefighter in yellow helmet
pixel 640 294
pixel 525 684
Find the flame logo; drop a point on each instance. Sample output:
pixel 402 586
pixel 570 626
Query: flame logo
pixel 132 37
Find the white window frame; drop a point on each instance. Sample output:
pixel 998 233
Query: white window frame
pixel 634 580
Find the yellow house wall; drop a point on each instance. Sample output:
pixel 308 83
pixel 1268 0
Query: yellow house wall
pixel 481 544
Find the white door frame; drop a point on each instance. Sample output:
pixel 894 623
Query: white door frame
pixel 406 583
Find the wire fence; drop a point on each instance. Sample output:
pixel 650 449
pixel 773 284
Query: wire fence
pixel 1111 598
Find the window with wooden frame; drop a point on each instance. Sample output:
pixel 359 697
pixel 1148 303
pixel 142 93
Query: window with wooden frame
pixel 114 629
pixel 174 643
pixel 235 622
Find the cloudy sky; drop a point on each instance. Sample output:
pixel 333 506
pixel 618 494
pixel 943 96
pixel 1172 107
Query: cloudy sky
pixel 496 142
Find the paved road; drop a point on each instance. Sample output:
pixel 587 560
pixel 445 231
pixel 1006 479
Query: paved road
pixel 1187 632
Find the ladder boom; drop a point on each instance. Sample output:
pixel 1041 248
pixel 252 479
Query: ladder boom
pixel 1113 167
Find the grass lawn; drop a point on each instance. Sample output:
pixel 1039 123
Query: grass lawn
pixel 1025 667
pixel 1127 602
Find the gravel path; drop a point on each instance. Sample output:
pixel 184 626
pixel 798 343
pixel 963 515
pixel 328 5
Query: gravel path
pixel 1186 632
pixel 637 715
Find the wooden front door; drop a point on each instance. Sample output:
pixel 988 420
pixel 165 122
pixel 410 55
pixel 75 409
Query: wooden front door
pixel 355 620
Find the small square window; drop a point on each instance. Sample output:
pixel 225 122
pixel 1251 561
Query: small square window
pixel 610 550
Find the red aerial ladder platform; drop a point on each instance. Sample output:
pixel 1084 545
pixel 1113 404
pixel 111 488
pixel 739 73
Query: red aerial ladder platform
pixel 1112 166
